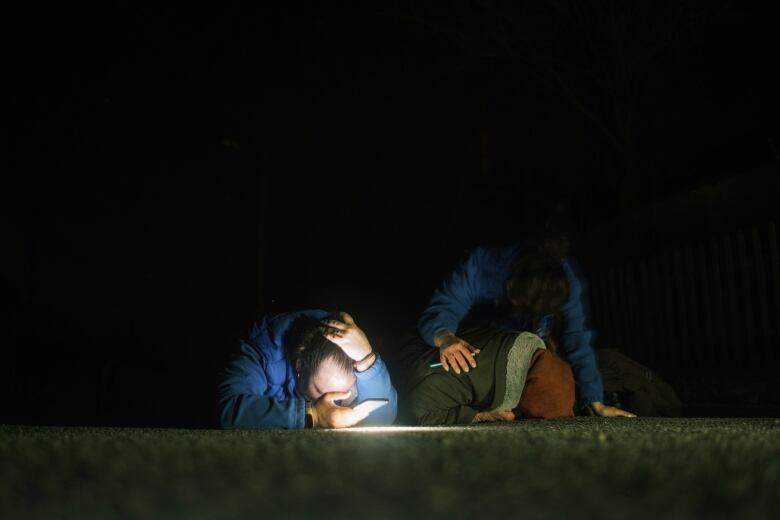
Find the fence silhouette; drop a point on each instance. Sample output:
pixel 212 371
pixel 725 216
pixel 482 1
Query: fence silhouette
pixel 714 303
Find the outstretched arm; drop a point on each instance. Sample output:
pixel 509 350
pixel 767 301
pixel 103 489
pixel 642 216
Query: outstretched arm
pixel 449 305
pixel 578 338
pixel 452 300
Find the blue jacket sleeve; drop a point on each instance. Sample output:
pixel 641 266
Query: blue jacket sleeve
pixel 578 337
pixel 242 400
pixel 375 383
pixel 452 301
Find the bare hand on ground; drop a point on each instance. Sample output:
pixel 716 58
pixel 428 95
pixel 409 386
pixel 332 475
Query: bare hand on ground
pixel 603 410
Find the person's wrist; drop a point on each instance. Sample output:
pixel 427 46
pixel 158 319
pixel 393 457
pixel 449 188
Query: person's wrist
pixel 596 407
pixel 366 355
pixel 367 362
pixel 442 337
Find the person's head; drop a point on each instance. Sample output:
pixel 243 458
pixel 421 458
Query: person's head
pixel 537 285
pixel 321 366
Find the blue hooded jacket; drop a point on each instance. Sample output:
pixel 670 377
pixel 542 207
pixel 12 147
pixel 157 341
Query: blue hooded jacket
pixel 480 281
pixel 259 387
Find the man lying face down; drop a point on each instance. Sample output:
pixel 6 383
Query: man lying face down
pixel 516 377
pixel 305 369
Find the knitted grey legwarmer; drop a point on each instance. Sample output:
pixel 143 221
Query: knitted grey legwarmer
pixel 517 364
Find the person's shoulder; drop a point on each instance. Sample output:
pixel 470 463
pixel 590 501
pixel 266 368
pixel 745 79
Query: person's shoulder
pixel 570 265
pixel 578 282
pixel 495 250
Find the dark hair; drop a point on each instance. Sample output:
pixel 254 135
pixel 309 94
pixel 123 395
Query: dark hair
pixel 537 285
pixel 553 236
pixel 307 347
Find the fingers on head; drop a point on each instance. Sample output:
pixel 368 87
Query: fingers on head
pixel 335 324
pixel 333 333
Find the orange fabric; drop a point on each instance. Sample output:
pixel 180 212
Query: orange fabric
pixel 549 388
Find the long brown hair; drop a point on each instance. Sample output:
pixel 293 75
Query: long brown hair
pixel 537 285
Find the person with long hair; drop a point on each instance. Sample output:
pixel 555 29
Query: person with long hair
pixel 535 286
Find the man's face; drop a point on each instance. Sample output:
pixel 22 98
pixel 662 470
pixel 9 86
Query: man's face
pixel 329 378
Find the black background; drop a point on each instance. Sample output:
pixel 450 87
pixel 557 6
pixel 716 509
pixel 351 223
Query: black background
pixel 176 172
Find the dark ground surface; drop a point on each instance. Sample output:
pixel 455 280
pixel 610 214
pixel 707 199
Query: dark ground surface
pixel 579 468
